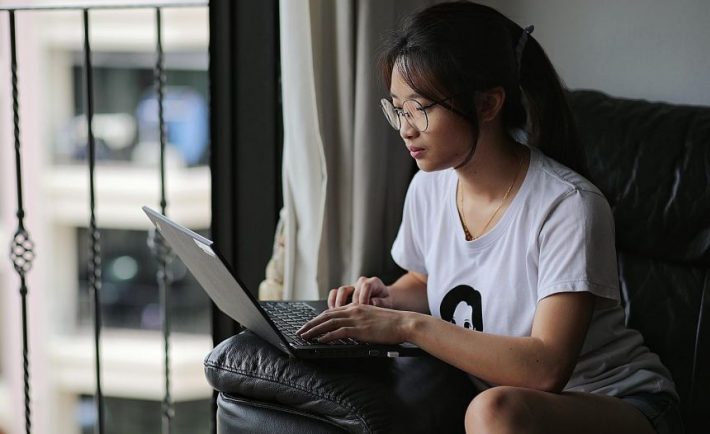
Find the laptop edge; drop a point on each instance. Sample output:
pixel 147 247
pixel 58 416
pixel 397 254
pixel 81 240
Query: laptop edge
pixel 250 313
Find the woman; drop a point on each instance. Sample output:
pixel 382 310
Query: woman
pixel 509 250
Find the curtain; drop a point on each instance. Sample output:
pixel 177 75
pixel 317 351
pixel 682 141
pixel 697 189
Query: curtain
pixel 345 171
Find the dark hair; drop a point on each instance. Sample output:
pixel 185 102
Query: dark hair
pixel 451 50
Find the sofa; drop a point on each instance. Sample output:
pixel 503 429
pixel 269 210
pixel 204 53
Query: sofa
pixel 652 161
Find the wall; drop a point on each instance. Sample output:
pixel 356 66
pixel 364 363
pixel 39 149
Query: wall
pixel 650 49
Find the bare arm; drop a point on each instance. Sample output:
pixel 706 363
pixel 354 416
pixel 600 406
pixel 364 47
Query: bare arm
pixel 542 361
pixel 409 293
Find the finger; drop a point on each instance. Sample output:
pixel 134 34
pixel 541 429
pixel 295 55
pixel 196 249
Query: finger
pixel 357 289
pixel 377 301
pixel 341 333
pixel 355 298
pixel 312 323
pixel 364 293
pixel 331 298
pixel 342 297
pixel 325 327
pixel 321 318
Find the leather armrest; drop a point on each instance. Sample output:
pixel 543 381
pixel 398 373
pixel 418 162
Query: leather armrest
pixel 419 394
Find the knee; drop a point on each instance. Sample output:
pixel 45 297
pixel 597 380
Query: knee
pixel 497 410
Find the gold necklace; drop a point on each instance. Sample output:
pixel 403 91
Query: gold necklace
pixel 467 233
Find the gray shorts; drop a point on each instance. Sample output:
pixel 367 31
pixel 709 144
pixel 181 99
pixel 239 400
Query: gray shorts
pixel 661 409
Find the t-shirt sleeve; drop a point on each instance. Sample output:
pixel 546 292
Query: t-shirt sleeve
pixel 577 249
pixel 407 250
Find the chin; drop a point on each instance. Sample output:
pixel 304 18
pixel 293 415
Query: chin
pixel 427 166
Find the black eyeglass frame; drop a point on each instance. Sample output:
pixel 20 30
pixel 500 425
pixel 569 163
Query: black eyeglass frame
pixel 399 112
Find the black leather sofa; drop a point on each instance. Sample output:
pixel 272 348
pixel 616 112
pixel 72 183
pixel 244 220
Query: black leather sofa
pixel 652 161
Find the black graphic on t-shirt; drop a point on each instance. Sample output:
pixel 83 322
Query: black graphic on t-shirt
pixel 462 306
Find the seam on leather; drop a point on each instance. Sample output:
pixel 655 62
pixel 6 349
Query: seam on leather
pixel 276 380
pixel 276 407
pixel 698 335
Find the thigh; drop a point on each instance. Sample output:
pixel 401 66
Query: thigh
pixel 521 410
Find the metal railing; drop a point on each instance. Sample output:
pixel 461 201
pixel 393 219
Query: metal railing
pixel 22 247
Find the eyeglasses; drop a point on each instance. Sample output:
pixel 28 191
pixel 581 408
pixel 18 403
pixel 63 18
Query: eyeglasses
pixel 416 114
pixel 412 110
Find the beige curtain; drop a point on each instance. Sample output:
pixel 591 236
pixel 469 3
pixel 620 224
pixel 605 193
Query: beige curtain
pixel 345 170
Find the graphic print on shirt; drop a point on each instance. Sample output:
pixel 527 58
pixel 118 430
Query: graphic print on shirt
pixel 462 306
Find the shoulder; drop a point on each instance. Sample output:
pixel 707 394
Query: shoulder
pixel 560 182
pixel 563 178
pixel 566 192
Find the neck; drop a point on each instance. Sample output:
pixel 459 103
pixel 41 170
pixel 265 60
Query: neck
pixel 496 162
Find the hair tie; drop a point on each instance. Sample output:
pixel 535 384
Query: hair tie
pixel 520 47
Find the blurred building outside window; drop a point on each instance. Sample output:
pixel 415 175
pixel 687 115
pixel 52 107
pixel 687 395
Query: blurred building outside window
pixel 56 192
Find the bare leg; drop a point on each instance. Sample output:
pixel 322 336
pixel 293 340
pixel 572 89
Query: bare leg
pixel 503 410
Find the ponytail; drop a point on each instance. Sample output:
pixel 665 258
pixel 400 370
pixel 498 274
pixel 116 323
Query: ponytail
pixel 551 126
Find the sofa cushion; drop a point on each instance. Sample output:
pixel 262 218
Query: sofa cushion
pixel 357 395
pixel 236 414
pixel 652 161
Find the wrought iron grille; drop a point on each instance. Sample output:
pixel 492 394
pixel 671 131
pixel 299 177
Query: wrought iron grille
pixel 22 250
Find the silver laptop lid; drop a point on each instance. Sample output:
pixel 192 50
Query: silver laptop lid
pixel 215 278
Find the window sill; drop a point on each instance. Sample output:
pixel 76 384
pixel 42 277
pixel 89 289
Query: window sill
pixel 123 190
pixel 132 364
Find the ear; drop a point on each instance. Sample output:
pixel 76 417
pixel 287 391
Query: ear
pixel 489 103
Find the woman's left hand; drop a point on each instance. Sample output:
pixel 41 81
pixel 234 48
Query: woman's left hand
pixel 362 322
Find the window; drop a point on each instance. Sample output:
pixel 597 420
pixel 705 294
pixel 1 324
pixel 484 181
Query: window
pixel 53 126
pixel 138 416
pixel 129 294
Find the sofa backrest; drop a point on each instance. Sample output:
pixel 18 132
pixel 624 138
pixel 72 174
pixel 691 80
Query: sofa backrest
pixel 652 161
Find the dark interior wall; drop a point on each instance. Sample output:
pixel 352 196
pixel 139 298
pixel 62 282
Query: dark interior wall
pixel 246 138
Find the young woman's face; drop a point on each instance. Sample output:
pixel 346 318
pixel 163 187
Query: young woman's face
pixel 448 138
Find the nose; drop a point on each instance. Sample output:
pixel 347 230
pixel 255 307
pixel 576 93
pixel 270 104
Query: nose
pixel 406 130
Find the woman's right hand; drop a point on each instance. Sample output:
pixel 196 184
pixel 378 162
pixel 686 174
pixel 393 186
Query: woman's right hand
pixel 366 290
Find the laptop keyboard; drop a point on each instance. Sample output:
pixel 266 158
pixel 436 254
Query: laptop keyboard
pixel 290 316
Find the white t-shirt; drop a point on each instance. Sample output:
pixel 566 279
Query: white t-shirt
pixel 557 235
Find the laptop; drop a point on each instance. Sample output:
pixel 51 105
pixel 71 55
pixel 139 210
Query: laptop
pixel 274 321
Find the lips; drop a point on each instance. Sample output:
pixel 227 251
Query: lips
pixel 416 152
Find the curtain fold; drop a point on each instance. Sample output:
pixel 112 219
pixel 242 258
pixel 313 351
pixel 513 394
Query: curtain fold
pixel 345 171
pixel 304 176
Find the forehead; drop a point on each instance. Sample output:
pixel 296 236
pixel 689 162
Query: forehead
pixel 399 89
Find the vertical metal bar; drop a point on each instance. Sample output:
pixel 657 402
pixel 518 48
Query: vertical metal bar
pixel 160 84
pixel 163 253
pixel 22 247
pixel 95 248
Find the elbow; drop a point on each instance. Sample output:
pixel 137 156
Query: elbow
pixel 553 378
pixel 550 384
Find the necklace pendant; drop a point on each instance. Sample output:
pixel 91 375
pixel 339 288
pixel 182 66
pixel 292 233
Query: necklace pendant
pixel 467 234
